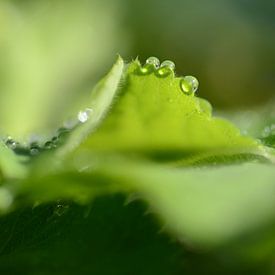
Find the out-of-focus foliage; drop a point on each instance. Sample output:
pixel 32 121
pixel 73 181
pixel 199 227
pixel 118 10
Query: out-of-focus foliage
pixel 51 53
pixel 97 159
pixel 147 181
pixel 228 44
pixel 69 239
pixel 99 103
pixel 258 122
pixel 152 115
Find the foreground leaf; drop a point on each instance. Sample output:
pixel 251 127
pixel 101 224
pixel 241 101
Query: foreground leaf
pixel 210 206
pixel 105 237
pixel 153 116
pixel 257 122
pixel 205 206
pixel 99 104
pixel 11 165
pixel 51 53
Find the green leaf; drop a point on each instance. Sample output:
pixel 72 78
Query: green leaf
pixel 99 103
pixel 51 53
pixel 105 237
pixel 257 122
pixel 207 206
pixel 11 165
pixel 148 115
pixel 153 116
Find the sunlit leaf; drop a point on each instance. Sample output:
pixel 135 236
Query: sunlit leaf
pixel 153 116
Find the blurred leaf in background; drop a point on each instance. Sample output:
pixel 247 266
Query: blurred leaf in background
pixel 51 54
pixel 67 45
pixel 229 45
pixel 214 209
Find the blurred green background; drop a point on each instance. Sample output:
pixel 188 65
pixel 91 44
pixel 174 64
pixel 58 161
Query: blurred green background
pixel 53 52
pixel 228 44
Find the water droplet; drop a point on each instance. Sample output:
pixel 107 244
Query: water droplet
pixel 167 67
pixel 11 143
pixel 61 209
pixel 6 198
pixel 34 151
pixel 189 84
pixel 55 140
pixel 83 116
pixel 145 70
pixel 48 145
pixel 168 63
pixel 34 148
pixel 153 61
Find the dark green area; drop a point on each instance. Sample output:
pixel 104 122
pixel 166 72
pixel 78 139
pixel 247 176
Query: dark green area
pixel 108 236
pixel 105 237
pixel 198 196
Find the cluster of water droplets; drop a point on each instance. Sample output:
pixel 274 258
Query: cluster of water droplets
pixel 61 208
pixel 188 84
pixel 37 145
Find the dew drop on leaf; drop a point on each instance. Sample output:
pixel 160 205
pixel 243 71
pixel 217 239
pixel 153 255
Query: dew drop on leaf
pixel 34 148
pixel 189 84
pixel 167 67
pixel 55 141
pixel 48 145
pixel 153 61
pixel 11 143
pixel 145 69
pixel 34 151
pixel 168 64
pixel 83 116
pixel 61 209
